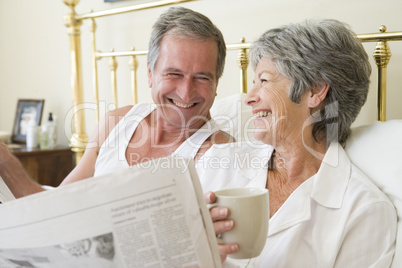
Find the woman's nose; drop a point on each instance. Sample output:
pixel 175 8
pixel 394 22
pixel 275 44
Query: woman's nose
pixel 252 97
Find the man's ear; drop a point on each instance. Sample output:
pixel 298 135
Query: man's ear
pixel 317 95
pixel 149 76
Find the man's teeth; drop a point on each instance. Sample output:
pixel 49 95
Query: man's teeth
pixel 182 105
pixel 261 114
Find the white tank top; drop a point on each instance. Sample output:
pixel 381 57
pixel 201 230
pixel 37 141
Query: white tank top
pixel 112 154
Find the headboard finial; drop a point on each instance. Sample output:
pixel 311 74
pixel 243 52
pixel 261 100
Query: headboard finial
pixel 242 61
pixel 382 55
pixel 71 3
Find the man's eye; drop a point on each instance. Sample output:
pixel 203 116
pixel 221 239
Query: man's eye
pixel 173 74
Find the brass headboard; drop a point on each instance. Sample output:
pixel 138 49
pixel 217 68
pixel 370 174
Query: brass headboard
pixel 73 22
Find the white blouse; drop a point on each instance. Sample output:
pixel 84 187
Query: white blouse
pixel 337 218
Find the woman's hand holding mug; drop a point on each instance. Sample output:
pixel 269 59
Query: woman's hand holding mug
pixel 240 217
pixel 221 225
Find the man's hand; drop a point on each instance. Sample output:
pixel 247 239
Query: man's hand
pixel 14 174
pixel 221 224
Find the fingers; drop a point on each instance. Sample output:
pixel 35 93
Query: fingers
pixel 219 213
pixel 209 197
pixel 227 249
pixel 223 226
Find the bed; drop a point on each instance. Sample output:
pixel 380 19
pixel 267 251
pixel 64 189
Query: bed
pixel 374 148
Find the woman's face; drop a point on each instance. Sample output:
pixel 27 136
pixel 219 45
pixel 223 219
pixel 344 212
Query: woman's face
pixel 278 120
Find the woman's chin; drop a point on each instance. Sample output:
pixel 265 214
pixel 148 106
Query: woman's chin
pixel 262 135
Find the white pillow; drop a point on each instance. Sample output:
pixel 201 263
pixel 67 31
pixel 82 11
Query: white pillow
pixel 377 150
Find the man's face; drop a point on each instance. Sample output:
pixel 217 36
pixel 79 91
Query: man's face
pixel 184 81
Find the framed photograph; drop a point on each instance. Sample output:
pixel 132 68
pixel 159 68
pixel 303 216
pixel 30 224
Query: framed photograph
pixel 27 110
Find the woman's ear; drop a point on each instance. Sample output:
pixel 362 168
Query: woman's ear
pixel 149 76
pixel 317 95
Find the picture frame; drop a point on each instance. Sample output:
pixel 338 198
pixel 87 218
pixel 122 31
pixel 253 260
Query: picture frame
pixel 27 109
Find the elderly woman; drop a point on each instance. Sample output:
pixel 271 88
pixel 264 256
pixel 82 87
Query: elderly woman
pixel 311 81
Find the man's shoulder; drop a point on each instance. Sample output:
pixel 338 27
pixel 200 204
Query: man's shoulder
pixel 121 110
pixel 110 120
pixel 116 115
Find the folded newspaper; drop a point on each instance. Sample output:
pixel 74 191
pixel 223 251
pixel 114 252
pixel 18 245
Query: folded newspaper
pixel 150 215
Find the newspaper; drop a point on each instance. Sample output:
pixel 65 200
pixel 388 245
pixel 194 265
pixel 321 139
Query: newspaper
pixel 5 193
pixel 149 215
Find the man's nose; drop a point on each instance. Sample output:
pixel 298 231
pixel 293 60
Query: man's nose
pixel 186 89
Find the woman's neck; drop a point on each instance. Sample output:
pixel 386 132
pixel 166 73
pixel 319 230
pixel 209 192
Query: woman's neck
pixel 299 159
pixel 290 169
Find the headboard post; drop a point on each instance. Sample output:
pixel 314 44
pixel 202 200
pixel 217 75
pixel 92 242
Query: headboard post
pixel 92 29
pixel 113 68
pixel 242 61
pixel 382 55
pixel 133 63
pixel 79 138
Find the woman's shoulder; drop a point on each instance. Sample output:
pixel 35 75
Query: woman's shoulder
pixel 362 184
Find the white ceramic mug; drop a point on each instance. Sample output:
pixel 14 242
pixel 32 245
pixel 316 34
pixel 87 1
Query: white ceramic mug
pixel 249 209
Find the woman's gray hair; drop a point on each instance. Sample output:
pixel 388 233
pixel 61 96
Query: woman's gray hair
pixel 188 24
pixel 318 52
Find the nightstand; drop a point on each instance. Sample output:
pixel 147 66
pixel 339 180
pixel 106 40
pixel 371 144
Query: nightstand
pixel 48 167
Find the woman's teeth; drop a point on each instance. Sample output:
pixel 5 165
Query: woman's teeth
pixel 261 114
pixel 182 105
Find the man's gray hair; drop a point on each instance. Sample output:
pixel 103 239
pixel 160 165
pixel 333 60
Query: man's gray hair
pixel 187 24
pixel 318 52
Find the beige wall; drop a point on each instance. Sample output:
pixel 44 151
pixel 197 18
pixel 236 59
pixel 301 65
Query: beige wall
pixel 34 50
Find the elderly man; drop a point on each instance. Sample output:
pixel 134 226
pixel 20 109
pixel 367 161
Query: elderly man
pixel 185 61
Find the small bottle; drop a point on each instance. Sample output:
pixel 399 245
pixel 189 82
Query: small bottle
pixel 44 137
pixel 52 134
pixel 32 134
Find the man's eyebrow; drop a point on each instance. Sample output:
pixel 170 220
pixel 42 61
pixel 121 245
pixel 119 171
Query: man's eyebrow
pixel 171 69
pixel 175 70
